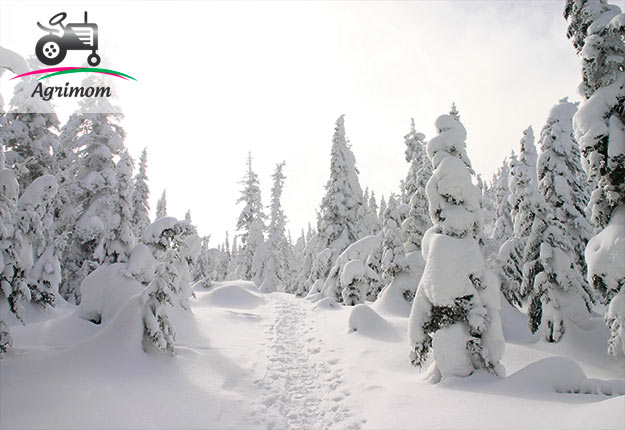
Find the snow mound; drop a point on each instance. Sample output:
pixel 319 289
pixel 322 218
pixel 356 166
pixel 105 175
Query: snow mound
pixel 391 300
pixel 233 295
pixel 123 333
pixel 327 303
pixel 563 375
pixel 105 291
pixel 368 322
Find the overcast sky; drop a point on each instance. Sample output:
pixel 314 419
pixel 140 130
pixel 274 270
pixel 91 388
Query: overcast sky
pixel 217 79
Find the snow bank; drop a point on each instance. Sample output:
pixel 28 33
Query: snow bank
pixel 233 295
pixel 562 375
pixel 367 322
pixel 105 291
pixel 391 300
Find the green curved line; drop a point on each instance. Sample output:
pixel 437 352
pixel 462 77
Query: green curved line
pixel 63 72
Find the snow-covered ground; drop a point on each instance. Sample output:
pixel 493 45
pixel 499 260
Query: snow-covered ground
pixel 251 360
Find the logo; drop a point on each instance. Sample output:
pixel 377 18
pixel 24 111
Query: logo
pixel 51 48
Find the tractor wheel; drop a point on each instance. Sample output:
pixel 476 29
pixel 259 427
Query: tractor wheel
pixel 49 50
pixel 93 59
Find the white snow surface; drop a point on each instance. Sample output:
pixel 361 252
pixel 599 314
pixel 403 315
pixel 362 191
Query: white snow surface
pixel 290 363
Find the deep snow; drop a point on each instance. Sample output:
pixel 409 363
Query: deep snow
pixel 250 360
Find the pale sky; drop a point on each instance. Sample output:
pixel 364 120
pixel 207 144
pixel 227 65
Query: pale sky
pixel 219 79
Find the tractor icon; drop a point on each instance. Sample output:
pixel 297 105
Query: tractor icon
pixel 51 48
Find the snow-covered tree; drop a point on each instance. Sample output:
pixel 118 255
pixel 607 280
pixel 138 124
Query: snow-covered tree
pixel 393 254
pixel 279 254
pixel 141 197
pixel 202 268
pixel 251 227
pixel 455 312
pixel 174 243
pixel 13 287
pixel 419 173
pixel 596 29
pixel 28 135
pixel 503 224
pixel 340 222
pixel 119 239
pixel 35 218
pixel 161 205
pixel 524 201
pixel 554 272
pixel 91 139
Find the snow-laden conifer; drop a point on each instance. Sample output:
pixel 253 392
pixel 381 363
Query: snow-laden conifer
pixel 141 197
pixel 279 254
pixel 596 29
pixel 161 205
pixel 455 312
pixel 554 272
pixel 251 228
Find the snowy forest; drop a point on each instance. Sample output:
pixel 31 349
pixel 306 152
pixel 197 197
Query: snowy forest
pixel 407 310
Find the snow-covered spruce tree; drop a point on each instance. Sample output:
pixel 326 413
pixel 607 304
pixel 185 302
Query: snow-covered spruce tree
pixel 161 205
pixel 302 282
pixel 503 229
pixel 119 238
pixel 393 254
pixel 28 135
pixel 250 226
pixel 373 213
pixel 202 268
pixel 279 253
pixel 419 173
pixel 13 266
pixel 371 222
pixel 39 246
pixel 524 201
pixel 455 312
pixel 554 272
pixel 91 138
pixel 141 197
pixel 172 242
pixel 340 223
pixel 596 29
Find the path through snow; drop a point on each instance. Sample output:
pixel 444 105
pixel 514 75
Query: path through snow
pixel 301 389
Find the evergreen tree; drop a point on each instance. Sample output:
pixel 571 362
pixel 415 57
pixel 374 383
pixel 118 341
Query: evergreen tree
pixel 91 139
pixel 555 269
pixel 141 198
pixel 28 134
pixel 524 201
pixel 455 312
pixel 276 277
pixel 419 173
pixel 393 254
pixel 340 223
pixel 251 226
pixel 596 29
pixel 503 224
pixel 39 246
pixel 161 206
pixel 202 268
pixel 119 238
pixel 170 240
pixel 13 287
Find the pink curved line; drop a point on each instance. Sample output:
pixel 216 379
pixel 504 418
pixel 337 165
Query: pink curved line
pixel 50 70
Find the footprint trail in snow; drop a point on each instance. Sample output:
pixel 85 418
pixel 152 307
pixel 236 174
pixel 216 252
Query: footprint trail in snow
pixel 301 389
